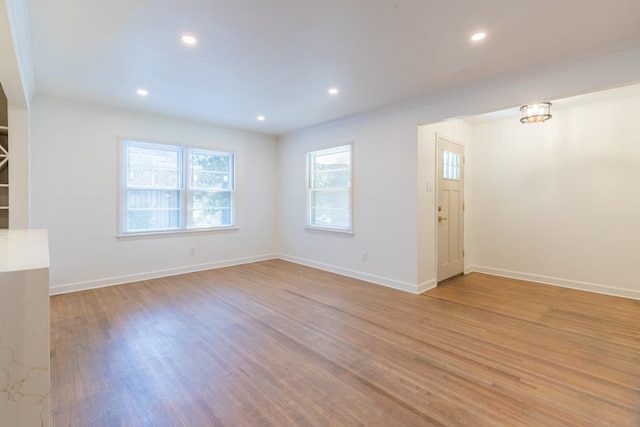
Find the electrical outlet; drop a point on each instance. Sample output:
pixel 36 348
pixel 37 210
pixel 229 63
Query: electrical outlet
pixel 192 251
pixel 364 256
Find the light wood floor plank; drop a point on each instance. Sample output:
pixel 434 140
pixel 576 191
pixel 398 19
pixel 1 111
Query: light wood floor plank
pixel 279 344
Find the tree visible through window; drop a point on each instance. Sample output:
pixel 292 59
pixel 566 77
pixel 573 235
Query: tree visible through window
pixel 172 188
pixel 210 189
pixel 329 197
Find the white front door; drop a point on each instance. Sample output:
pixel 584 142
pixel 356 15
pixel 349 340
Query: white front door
pixel 450 215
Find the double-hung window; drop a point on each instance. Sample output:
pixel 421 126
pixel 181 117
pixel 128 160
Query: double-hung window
pixel 174 188
pixel 329 189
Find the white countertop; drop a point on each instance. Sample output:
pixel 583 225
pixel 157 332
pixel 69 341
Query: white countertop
pixel 23 250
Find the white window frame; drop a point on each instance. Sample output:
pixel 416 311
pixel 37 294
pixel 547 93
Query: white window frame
pixel 310 190
pixel 184 188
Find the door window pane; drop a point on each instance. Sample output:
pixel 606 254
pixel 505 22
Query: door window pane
pixel 451 165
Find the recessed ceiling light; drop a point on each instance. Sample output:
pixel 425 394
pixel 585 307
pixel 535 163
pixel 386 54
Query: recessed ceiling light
pixel 142 92
pixel 261 118
pixel 478 36
pixel 188 39
pixel 333 91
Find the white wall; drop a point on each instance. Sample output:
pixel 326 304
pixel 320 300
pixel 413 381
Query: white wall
pixel 74 185
pixel 384 165
pixel 394 214
pixel 16 67
pixel 397 234
pixel 76 200
pixel 457 131
pixel 559 202
pixel 19 143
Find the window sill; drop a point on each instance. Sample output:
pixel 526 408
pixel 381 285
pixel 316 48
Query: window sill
pixel 173 233
pixel 328 230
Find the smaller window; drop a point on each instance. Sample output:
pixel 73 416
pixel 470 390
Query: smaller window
pixel 329 192
pixel 451 165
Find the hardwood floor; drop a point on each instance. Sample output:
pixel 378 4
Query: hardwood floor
pixel 275 343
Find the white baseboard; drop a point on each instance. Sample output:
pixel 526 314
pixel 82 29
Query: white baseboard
pixel 372 278
pixel 119 280
pixel 555 281
pixel 427 286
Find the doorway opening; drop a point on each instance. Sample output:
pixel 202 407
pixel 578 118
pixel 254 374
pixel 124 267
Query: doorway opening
pixel 450 215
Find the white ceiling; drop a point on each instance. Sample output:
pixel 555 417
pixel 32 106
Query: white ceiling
pixel 631 90
pixel 279 57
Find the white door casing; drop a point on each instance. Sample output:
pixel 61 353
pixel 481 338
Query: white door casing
pixel 450 209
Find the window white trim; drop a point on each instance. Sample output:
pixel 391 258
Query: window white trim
pixel 310 190
pixel 184 170
pixel 190 190
pixel 147 235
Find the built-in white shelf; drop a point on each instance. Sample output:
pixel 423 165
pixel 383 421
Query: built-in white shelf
pixel 4 177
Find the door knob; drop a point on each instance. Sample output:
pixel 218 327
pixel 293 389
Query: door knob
pixel 441 218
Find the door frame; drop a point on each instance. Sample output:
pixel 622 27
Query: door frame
pixel 437 196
